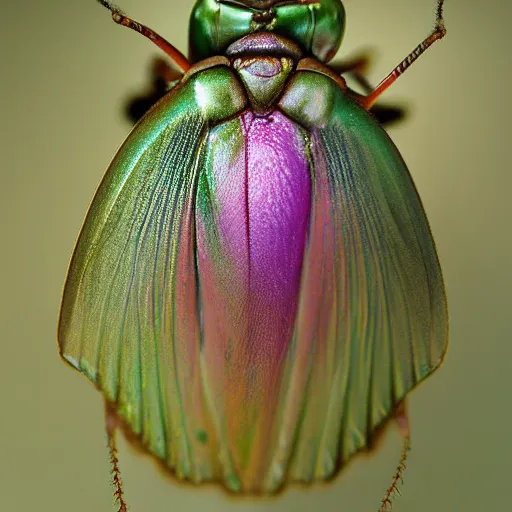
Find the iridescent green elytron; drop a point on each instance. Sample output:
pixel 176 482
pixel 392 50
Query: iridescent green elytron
pixel 255 288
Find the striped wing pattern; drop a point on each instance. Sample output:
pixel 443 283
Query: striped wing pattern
pixel 373 319
pixel 170 308
pixel 129 318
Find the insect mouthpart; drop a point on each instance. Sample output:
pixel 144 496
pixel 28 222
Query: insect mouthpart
pixel 264 43
pixel 264 17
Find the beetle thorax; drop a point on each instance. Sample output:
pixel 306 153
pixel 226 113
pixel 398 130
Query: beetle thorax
pixel 264 61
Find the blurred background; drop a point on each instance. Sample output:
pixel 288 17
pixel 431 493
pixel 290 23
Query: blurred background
pixel 67 72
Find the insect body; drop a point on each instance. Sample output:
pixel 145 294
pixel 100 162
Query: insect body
pixel 255 288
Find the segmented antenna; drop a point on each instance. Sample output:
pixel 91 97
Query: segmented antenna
pixel 438 33
pixel 111 426
pixel 178 59
pixel 114 9
pixel 393 489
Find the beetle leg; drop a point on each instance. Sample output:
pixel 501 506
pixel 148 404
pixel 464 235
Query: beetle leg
pixel 438 33
pixel 177 58
pixel 403 425
pixel 359 64
pixel 163 77
pixel 385 114
pixel 362 81
pixel 356 68
pixel 388 114
pixel 111 424
pixel 164 71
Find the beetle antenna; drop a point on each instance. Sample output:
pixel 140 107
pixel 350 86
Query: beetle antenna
pixel 438 33
pixel 393 489
pixel 114 9
pixel 403 424
pixel 111 425
pixel 178 59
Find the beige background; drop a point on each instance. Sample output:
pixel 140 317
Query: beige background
pixel 65 69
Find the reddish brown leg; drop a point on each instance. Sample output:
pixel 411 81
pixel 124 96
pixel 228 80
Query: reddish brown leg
pixel 438 33
pixel 111 425
pixel 177 58
pixel 356 68
pixel 403 424
pixel 162 77
pixel 357 64
pixel 163 70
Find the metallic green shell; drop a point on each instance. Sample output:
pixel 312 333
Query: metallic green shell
pixel 317 26
pixel 389 320
pixel 255 293
pixel 107 330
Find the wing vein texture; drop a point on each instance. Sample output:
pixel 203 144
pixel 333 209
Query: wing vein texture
pixel 254 297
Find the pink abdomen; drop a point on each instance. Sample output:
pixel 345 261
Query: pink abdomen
pixel 253 207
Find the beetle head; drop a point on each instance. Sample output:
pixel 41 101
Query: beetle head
pixel 316 25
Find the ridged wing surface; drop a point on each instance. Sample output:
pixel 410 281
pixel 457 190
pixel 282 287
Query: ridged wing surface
pixel 256 297
pixel 129 318
pixel 372 319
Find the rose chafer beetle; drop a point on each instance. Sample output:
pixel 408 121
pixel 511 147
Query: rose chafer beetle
pixel 255 289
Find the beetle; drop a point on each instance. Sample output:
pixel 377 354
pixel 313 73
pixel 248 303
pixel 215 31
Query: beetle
pixel 255 288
